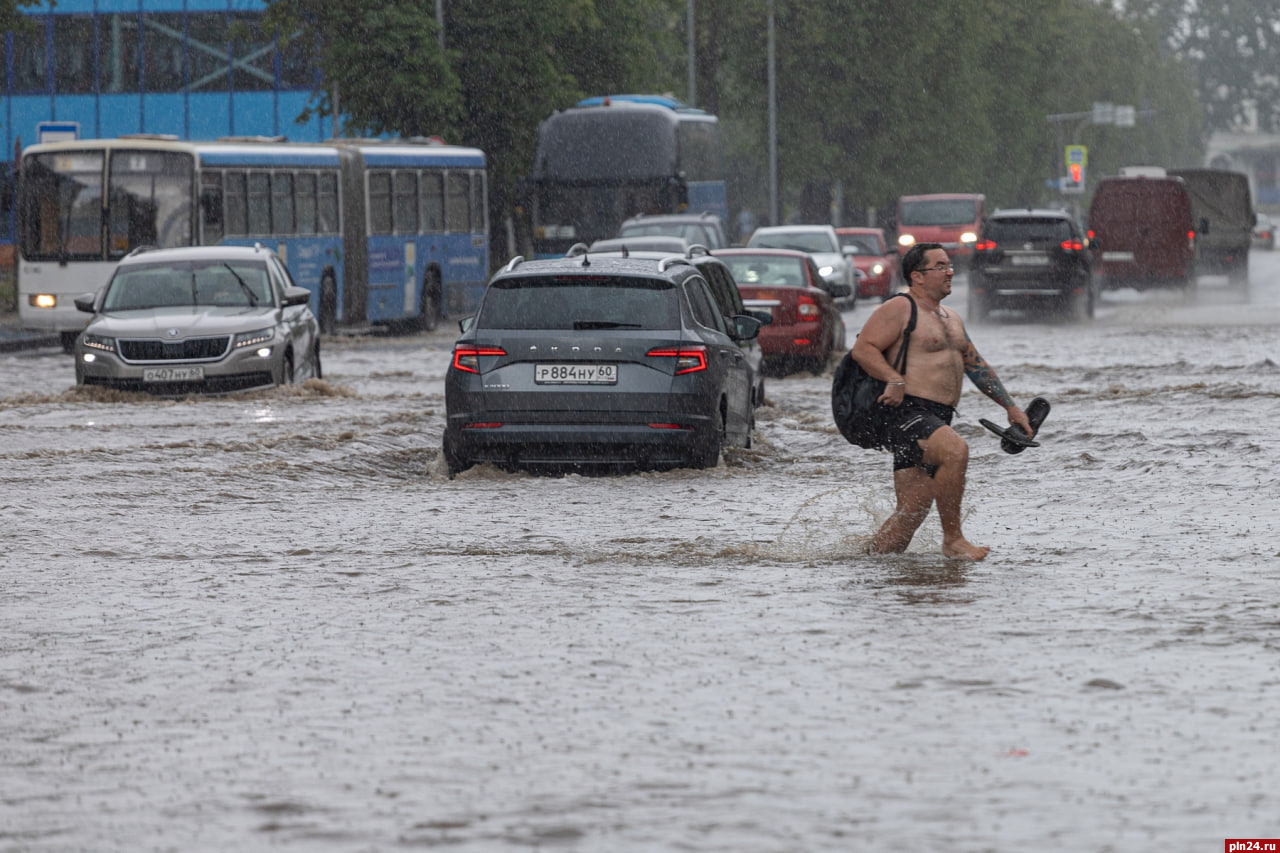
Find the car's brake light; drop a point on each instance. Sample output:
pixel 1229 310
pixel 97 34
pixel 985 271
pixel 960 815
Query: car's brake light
pixel 984 245
pixel 808 309
pixel 1073 245
pixel 688 359
pixel 468 357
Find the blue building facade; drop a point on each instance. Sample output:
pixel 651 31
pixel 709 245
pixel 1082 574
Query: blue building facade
pixel 196 69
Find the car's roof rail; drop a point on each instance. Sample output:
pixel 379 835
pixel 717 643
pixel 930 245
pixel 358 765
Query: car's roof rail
pixel 138 250
pixel 575 250
pixel 513 263
pixel 701 249
pixel 666 263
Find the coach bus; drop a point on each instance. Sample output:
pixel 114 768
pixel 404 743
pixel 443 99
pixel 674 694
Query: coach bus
pixel 609 158
pixel 381 232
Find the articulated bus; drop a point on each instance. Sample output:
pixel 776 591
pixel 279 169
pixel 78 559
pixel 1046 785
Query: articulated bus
pixel 381 232
pixel 610 158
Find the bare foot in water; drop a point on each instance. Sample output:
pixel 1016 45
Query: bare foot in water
pixel 963 549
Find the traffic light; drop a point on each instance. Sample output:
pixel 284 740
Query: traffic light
pixel 1077 174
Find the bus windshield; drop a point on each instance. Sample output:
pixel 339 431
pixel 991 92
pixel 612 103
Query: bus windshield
pixel 149 203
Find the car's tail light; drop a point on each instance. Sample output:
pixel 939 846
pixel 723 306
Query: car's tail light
pixel 688 359
pixel 984 245
pixel 807 310
pixel 1073 245
pixel 468 357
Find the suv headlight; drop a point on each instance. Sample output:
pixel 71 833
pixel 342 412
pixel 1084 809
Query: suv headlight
pixel 826 270
pixel 99 342
pixel 258 336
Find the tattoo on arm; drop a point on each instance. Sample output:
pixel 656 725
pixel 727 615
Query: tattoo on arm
pixel 983 376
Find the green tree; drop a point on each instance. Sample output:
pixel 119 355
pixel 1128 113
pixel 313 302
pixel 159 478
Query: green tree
pixel 11 17
pixel 381 63
pixel 1233 48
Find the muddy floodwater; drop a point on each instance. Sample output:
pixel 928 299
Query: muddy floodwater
pixel 271 622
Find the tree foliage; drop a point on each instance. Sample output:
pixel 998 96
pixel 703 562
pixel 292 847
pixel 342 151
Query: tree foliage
pixel 1233 47
pixel 875 98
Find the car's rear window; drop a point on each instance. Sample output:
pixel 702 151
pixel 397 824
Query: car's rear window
pixel 1028 230
pixel 766 270
pixel 580 302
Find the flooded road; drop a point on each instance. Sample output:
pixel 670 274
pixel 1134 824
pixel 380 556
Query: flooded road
pixel 271 622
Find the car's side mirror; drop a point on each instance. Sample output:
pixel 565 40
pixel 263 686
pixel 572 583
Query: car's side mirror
pixel 296 296
pixel 765 317
pixel 745 327
pixel 84 302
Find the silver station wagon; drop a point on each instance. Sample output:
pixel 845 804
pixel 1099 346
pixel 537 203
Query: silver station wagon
pixel 201 319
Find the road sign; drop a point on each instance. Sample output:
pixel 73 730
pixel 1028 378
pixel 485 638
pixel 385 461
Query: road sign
pixel 1076 158
pixel 57 131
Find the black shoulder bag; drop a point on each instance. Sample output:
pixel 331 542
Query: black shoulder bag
pixel 855 394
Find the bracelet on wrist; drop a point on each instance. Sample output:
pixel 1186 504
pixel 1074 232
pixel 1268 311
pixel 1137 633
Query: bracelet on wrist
pixel 903 382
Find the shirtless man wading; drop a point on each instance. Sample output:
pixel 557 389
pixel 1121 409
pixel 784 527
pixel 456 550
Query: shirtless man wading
pixel 930 458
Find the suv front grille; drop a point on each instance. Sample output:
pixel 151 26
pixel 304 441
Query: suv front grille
pixel 193 349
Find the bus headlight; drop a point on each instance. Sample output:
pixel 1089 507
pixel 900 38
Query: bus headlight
pixel 968 237
pixel 906 240
pixel 42 300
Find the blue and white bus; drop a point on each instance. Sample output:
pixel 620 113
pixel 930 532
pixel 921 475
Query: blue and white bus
pixel 381 232
pixel 613 157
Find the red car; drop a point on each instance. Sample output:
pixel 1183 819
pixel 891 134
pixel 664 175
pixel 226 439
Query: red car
pixel 806 326
pixel 878 264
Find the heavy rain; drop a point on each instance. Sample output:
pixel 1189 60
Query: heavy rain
pixel 271 621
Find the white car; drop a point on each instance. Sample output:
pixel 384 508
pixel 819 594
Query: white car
pixel 820 242
pixel 209 319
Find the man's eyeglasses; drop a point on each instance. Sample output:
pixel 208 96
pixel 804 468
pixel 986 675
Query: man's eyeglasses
pixel 939 268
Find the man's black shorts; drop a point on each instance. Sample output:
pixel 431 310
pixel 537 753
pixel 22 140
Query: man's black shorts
pixel 906 425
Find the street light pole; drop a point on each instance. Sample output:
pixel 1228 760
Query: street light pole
pixel 773 123
pixel 693 78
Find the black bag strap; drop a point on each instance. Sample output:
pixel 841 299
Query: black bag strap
pixel 900 363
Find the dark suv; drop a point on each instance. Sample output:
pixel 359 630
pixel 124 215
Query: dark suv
pixel 1031 259
pixel 594 361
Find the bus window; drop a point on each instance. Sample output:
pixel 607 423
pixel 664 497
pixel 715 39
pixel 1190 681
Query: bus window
pixel 457 216
pixel 406 202
pixel 259 203
pixel 60 212
pixel 305 184
pixel 235 205
pixel 282 203
pixel 432 202
pixel 380 202
pixel 327 203
pixel 149 200
pixel 478 211
pixel 212 208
